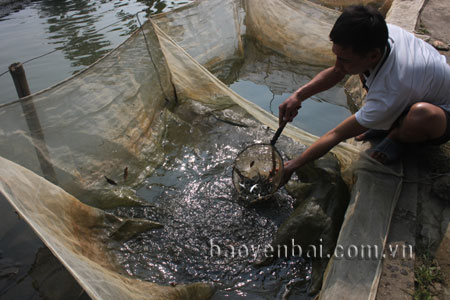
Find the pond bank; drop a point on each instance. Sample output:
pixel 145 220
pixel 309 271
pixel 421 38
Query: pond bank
pixel 422 215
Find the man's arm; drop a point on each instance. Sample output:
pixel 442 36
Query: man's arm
pixel 321 82
pixel 347 129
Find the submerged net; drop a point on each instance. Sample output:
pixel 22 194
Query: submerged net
pixel 149 114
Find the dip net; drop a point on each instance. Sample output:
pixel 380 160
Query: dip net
pixel 257 172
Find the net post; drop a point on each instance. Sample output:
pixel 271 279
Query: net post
pixel 20 79
pixel 23 90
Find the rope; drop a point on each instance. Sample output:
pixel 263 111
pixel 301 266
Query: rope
pixel 112 24
pixel 153 61
pixel 50 52
pixel 4 73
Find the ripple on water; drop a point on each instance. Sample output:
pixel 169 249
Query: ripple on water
pixel 208 234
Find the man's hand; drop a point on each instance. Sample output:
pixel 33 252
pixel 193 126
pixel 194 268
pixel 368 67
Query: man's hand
pixel 288 170
pixel 347 129
pixel 289 108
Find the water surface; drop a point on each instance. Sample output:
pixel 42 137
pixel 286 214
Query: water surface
pixel 209 234
pixel 79 32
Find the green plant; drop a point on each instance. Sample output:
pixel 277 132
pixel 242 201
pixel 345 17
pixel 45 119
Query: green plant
pixel 421 29
pixel 427 272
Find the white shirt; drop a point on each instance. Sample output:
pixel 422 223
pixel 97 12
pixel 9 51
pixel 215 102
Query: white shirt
pixel 413 72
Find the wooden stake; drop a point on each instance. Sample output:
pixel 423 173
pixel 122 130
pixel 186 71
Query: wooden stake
pixel 23 90
pixel 20 80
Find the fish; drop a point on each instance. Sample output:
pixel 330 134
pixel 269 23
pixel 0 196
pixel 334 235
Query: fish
pixel 125 173
pixel 110 181
pixel 253 187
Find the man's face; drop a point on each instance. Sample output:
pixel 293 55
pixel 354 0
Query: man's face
pixel 351 63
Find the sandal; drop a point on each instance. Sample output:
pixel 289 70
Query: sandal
pixel 387 151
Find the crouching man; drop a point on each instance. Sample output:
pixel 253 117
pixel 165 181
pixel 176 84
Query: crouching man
pixel 407 83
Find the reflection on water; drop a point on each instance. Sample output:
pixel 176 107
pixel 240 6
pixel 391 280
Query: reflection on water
pixel 79 32
pixel 267 79
pixel 71 28
pixel 315 116
pixel 208 234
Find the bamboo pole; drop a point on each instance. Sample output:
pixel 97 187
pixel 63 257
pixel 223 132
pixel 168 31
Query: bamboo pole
pixel 23 90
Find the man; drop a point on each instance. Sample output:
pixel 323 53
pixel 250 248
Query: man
pixel 408 84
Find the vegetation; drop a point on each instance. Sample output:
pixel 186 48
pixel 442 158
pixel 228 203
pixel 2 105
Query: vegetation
pixel 427 273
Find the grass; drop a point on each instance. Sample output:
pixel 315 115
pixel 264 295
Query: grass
pixel 427 273
pixel 421 29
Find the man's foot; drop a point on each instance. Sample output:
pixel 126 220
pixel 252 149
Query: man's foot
pixel 372 134
pixel 387 151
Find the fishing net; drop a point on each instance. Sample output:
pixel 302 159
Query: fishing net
pixel 85 144
pixel 257 172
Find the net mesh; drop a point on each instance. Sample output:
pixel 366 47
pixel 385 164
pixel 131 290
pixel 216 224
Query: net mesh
pixel 257 172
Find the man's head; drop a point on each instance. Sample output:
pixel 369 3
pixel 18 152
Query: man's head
pixel 359 38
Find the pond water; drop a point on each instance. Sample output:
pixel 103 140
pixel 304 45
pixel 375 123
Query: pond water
pixel 80 33
pixel 310 117
pixel 209 234
pixel 267 79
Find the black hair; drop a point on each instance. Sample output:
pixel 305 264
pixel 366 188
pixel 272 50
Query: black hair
pixel 361 27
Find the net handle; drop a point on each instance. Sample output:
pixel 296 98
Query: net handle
pixel 278 133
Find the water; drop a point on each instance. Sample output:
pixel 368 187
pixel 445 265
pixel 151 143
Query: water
pixel 209 235
pixel 315 116
pixel 80 32
pixel 267 79
pixel 18 247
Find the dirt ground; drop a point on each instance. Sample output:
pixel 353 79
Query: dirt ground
pixel 433 21
pixel 426 223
